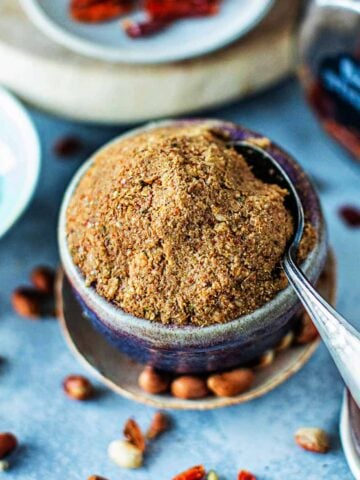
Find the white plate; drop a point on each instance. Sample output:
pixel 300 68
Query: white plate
pixel 350 452
pixel 184 39
pixel 19 160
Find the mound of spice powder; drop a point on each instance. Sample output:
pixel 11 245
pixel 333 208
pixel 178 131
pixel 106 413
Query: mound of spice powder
pixel 171 225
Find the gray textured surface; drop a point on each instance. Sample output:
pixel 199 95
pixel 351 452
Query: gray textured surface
pixel 62 439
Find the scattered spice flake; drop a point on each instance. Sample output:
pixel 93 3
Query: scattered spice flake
pixel 145 28
pixel 245 475
pixel 350 215
pixel 134 434
pixel 194 473
pixel 97 11
pixel 67 146
pixel 170 10
pixel 160 423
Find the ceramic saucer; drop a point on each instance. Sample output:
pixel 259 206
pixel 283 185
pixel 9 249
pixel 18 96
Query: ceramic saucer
pixel 182 40
pixel 120 373
pixel 19 160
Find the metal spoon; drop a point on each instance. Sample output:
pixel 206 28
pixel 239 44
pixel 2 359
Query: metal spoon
pixel 342 340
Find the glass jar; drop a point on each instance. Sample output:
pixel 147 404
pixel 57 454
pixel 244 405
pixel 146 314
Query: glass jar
pixel 329 47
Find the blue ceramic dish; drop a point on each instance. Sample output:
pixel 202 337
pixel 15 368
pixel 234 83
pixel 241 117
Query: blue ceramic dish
pixel 194 349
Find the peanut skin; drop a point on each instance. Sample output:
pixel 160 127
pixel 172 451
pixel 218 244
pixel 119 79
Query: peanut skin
pixel 189 387
pixel 229 384
pixel 160 423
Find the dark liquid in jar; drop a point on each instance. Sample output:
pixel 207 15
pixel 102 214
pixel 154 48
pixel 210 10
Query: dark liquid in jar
pixel 335 96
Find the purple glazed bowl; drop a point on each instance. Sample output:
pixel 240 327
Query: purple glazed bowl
pixel 193 349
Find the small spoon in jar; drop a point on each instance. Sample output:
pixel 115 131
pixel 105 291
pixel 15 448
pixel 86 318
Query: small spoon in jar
pixel 341 338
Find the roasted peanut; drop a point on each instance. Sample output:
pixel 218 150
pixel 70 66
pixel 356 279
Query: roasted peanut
pixel 153 382
pixel 312 439
pixel 78 387
pixel 229 384
pixel 189 387
pixel 266 359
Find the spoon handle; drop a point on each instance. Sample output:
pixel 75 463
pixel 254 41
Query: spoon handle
pixel 342 340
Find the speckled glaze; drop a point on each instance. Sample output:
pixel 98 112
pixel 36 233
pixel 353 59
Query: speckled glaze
pixel 194 349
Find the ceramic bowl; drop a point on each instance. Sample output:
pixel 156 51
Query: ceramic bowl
pixel 193 349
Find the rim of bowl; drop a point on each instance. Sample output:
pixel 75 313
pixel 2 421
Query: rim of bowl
pixel 182 336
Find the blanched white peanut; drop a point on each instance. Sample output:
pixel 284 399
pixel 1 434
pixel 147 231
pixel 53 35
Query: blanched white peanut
pixel 125 454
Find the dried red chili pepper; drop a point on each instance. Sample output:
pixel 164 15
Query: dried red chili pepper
pixel 194 473
pixel 172 9
pixel 245 475
pixel 96 11
pixel 350 215
pixel 143 29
